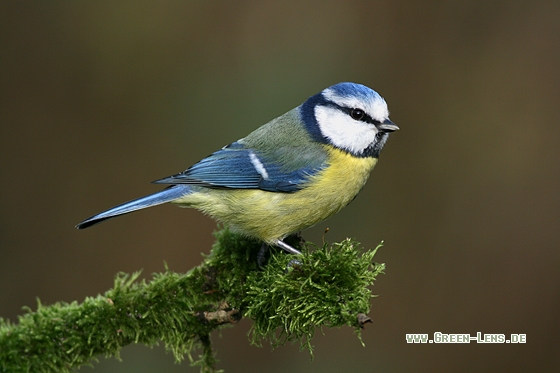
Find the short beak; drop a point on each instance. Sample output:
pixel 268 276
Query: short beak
pixel 387 126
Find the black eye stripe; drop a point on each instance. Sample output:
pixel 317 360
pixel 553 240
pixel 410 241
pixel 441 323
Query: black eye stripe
pixel 365 118
pixel 347 110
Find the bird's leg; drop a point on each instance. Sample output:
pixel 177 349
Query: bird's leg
pixel 281 244
pixel 261 256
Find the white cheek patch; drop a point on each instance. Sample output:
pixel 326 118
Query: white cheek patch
pixel 258 165
pixel 343 131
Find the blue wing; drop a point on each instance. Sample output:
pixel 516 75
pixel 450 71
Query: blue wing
pixel 237 167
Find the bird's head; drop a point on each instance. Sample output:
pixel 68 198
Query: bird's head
pixel 348 116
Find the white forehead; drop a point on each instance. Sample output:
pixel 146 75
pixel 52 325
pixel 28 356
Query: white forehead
pixel 360 97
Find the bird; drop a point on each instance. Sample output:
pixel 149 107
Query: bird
pixel 287 175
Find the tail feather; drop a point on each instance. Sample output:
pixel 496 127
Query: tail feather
pixel 166 195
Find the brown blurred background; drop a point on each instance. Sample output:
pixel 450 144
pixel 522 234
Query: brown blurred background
pixel 97 99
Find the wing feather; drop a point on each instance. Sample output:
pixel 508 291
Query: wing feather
pixel 238 167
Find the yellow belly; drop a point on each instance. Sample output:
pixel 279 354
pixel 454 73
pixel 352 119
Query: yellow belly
pixel 270 216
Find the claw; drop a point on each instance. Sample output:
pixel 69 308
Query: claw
pixel 292 264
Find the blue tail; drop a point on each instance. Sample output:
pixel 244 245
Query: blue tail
pixel 166 195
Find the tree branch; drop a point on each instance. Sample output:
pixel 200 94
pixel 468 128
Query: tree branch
pixel 286 299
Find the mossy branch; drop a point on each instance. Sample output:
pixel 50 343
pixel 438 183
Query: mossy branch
pixel 286 299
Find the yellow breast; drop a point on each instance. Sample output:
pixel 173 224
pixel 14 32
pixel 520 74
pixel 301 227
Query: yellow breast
pixel 270 216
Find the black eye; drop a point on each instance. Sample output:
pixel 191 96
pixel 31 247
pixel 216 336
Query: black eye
pixel 357 114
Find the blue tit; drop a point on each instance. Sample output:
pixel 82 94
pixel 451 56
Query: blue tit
pixel 288 174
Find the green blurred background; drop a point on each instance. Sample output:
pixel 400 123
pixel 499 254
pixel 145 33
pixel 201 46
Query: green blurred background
pixel 97 99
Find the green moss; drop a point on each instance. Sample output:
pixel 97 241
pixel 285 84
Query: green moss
pixel 287 301
pixel 327 287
